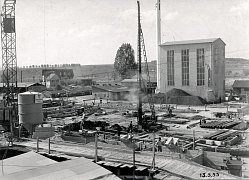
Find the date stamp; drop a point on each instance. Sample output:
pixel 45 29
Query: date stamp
pixel 209 174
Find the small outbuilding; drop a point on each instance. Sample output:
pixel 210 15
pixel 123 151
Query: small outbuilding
pixel 241 87
pixel 111 92
pixel 27 86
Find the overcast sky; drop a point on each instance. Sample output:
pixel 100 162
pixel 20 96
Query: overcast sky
pixel 91 31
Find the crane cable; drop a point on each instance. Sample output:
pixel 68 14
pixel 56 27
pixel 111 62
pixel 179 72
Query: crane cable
pixel 150 98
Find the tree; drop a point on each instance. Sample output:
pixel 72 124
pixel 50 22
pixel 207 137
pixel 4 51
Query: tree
pixel 125 64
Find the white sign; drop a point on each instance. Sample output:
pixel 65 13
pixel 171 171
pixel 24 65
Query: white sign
pixel 38 98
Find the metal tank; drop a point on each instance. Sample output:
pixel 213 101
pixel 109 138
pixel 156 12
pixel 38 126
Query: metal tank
pixel 30 110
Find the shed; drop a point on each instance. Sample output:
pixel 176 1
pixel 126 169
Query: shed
pixel 27 86
pixel 241 87
pixel 37 87
pixel 111 92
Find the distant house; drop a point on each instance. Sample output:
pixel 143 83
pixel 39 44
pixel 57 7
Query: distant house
pixel 241 87
pixel 111 92
pixel 63 74
pixel 52 81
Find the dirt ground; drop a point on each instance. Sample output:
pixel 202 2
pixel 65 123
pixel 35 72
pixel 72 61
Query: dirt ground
pixel 208 112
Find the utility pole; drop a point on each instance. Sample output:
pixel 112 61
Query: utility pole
pixel 139 69
pixel 154 156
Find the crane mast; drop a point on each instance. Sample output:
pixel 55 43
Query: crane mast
pixel 9 65
pixel 9 61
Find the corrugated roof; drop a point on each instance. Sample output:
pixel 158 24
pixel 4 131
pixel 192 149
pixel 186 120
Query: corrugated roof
pixel 196 41
pixel 241 84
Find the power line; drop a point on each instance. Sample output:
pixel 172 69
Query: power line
pixel 44 31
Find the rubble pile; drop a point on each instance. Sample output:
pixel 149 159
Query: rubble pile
pixel 90 125
pixel 178 96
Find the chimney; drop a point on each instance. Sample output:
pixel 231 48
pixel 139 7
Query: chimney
pixel 158 37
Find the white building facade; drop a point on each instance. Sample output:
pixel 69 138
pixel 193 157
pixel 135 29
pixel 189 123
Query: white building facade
pixel 195 66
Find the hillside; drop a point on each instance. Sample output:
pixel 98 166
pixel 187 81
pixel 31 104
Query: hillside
pixel 235 67
pixel 237 61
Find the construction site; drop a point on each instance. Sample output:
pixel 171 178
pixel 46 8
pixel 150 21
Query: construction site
pixel 173 135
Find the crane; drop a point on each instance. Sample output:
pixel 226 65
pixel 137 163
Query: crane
pixel 9 61
pixel 142 50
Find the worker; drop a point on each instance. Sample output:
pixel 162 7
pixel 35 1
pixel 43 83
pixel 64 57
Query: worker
pixel 168 107
pixel 119 132
pixel 130 128
pixel 82 124
pixel 159 145
pixel 170 112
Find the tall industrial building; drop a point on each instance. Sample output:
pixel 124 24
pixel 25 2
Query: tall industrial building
pixel 195 66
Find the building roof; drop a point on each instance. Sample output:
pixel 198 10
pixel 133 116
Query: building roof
pixel 129 80
pixel 25 84
pixel 241 84
pixel 196 41
pixel 112 88
pixel 26 161
pixel 80 168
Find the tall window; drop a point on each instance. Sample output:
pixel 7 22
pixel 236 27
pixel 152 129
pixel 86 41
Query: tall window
pixel 170 68
pixel 200 67
pixel 185 67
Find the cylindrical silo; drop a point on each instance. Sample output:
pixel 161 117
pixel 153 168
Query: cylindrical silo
pixel 30 109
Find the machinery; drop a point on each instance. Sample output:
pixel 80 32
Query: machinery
pixel 142 119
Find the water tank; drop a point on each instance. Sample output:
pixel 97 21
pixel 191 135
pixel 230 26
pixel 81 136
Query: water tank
pixel 30 109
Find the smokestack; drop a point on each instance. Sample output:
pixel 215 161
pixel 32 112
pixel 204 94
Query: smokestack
pixel 158 37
